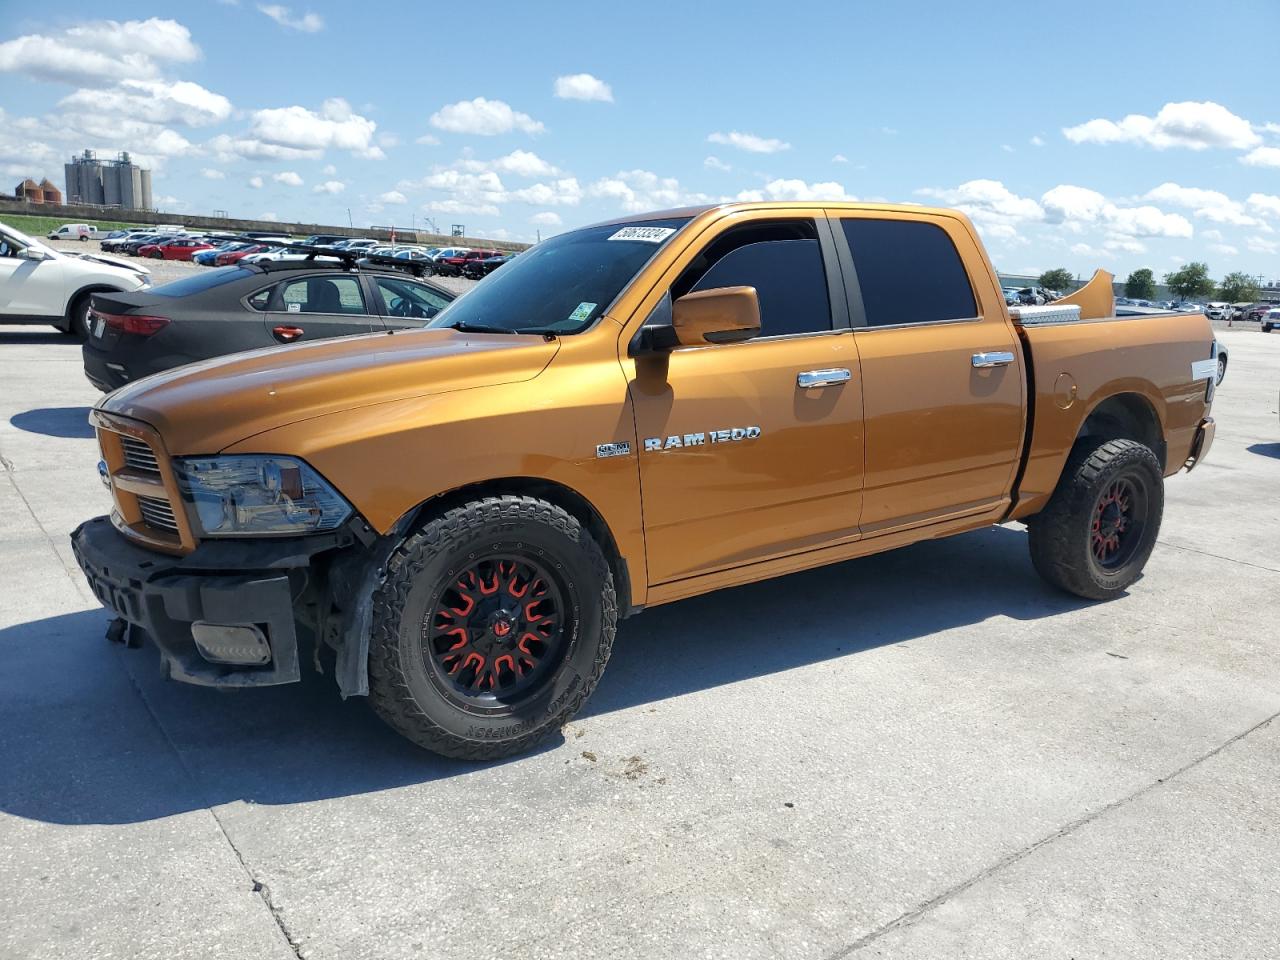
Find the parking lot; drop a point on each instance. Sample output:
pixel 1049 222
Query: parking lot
pixel 929 753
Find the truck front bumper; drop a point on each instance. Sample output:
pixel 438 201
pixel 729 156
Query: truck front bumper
pixel 229 590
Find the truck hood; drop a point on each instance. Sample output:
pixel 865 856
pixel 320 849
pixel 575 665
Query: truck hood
pixel 206 407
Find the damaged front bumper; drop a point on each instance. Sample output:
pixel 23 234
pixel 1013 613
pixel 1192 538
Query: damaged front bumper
pixel 222 616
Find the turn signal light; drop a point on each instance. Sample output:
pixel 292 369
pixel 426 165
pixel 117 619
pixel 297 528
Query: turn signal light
pixel 130 323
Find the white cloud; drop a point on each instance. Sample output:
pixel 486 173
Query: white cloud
pixel 388 140
pixel 1262 245
pixel 329 170
pixel 1125 245
pixel 988 202
pixel 749 142
pixel 255 182
pixel 1006 148
pixel 1211 234
pixel 209 173
pixel 151 101
pixel 1262 157
pixel 1208 204
pixel 715 163
pixel 288 178
pixel 1073 206
pixel 1190 124
pixel 268 217
pixel 781 189
pixel 640 190
pixel 1084 250
pixel 307 23
pixel 331 187
pixel 427 140
pixel 565 191
pixel 305 131
pixel 1037 141
pixel 521 163
pixel 228 148
pixel 1264 203
pixel 1224 248
pixel 839 158
pixel 393 196
pixel 104 50
pixel 484 118
pixel 583 86
pixel 547 218
pixel 1147 221
pixel 460 206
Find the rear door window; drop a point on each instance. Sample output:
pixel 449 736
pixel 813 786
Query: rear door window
pixel 333 295
pixel 782 260
pixel 909 272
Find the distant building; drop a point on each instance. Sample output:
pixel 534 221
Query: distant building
pixel 114 183
pixel 42 192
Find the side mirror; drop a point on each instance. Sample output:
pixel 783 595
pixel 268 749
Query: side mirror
pixel 31 253
pixel 722 315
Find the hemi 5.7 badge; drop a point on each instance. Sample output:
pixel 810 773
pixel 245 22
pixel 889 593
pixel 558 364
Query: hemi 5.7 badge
pixel 680 441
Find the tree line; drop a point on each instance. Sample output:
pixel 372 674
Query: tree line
pixel 1188 282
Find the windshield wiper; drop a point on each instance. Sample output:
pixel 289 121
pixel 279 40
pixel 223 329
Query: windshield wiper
pixel 465 326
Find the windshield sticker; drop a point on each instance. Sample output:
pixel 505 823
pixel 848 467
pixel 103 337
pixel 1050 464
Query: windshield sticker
pixel 644 234
pixel 581 312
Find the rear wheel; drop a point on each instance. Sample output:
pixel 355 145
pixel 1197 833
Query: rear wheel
pixel 492 628
pixel 1100 526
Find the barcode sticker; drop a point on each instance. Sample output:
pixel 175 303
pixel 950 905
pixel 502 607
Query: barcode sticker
pixel 644 234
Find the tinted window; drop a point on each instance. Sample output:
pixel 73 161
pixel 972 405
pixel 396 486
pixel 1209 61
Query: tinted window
pixel 323 295
pixel 783 261
pixel 909 272
pixel 404 298
pixel 199 282
pixel 260 299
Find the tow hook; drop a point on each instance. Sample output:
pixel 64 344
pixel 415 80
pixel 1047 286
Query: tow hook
pixel 124 633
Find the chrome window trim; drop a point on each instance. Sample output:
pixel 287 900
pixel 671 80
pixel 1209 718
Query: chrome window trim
pixel 924 323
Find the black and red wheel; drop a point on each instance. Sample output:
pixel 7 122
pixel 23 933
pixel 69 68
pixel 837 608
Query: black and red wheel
pixel 1098 530
pixel 492 627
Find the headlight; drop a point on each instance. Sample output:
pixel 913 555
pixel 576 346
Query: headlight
pixel 248 495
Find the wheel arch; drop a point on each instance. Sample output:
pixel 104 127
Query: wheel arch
pixel 1128 416
pixel 86 290
pixel 554 492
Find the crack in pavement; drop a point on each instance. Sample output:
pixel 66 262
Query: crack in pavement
pixel 78 583
pixel 916 913
pixel 1216 556
pixel 259 885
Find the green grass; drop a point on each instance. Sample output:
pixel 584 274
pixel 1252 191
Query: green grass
pixel 39 227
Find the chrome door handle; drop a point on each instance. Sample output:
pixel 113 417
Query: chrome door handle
pixel 999 358
pixel 811 379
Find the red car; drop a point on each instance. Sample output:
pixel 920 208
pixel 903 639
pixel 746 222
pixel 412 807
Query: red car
pixel 233 256
pixel 179 248
pixel 452 266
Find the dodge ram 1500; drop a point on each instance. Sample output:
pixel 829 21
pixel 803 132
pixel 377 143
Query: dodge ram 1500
pixel 626 415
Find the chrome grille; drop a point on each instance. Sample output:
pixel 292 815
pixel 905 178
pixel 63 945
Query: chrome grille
pixel 138 455
pixel 157 513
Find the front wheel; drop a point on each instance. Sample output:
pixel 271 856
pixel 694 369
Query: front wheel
pixel 491 629
pixel 1266 328
pixel 78 318
pixel 1100 526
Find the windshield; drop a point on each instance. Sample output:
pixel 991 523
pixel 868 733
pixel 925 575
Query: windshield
pixel 564 284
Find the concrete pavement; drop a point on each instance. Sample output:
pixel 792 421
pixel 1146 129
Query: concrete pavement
pixel 928 753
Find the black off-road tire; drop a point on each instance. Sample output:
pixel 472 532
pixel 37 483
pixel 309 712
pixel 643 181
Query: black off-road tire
pixel 1060 536
pixel 402 688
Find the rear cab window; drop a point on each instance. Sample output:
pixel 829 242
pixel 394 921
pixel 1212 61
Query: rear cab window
pixel 908 272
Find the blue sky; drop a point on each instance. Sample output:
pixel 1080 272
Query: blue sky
pixel 1100 134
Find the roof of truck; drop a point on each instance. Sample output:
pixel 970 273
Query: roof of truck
pixel 676 213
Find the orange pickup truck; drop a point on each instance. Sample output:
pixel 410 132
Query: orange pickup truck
pixel 453 519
